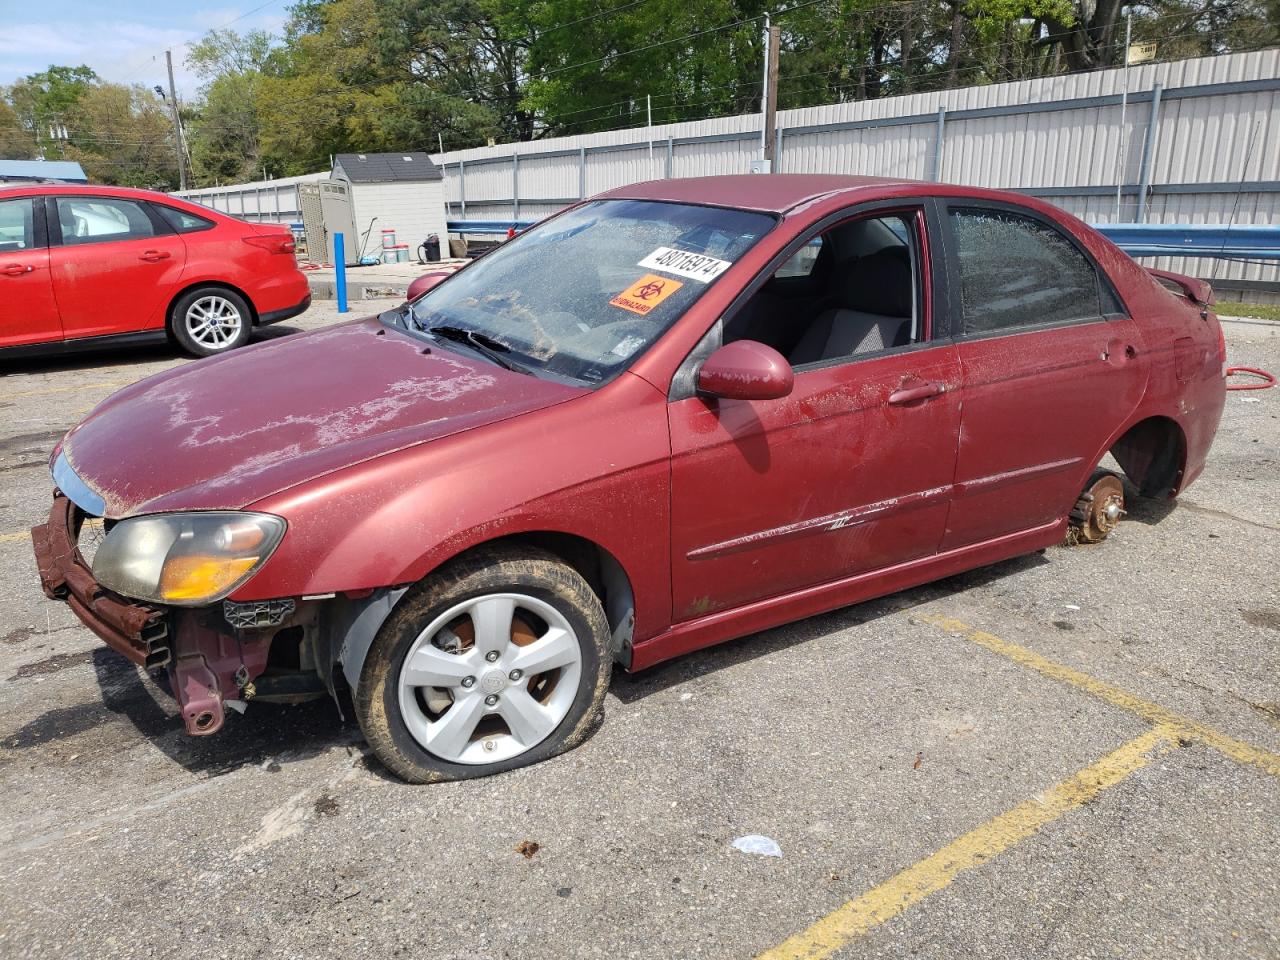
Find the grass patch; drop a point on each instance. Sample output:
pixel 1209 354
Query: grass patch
pixel 1234 308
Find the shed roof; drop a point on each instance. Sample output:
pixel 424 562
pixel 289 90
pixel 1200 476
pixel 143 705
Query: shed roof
pixel 385 167
pixel 67 170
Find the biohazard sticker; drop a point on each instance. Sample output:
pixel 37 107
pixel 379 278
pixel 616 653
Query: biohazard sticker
pixel 695 266
pixel 646 293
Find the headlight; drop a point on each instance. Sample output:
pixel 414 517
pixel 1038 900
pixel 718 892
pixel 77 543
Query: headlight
pixel 185 559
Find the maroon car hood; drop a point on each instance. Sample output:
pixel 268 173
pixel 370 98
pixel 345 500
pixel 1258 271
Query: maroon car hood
pixel 225 432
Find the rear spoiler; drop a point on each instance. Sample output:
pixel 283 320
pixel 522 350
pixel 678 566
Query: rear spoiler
pixel 1197 291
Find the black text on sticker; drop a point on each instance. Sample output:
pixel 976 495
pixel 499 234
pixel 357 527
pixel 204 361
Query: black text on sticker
pixel 682 263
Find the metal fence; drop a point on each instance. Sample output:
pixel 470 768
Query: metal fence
pixel 1189 142
pixel 265 201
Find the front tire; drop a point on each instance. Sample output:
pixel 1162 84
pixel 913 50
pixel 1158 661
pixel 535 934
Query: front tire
pixel 499 660
pixel 210 320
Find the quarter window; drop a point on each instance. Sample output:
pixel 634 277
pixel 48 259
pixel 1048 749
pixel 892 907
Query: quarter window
pixel 17 225
pixel 1016 271
pixel 181 220
pixel 102 219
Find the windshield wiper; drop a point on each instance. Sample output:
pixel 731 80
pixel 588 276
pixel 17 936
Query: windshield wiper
pixel 482 343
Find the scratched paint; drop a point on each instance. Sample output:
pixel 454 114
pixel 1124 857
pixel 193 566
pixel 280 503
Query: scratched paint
pixel 243 426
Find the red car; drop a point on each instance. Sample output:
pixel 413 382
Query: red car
pixel 91 267
pixel 671 415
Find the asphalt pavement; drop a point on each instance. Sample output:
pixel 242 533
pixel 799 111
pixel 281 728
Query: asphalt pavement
pixel 1072 754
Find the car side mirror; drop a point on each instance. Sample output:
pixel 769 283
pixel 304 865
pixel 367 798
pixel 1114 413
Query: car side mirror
pixel 746 370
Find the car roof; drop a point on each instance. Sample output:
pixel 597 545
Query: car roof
pixel 24 189
pixel 781 192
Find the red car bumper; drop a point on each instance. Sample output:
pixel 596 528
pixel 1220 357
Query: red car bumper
pixel 136 630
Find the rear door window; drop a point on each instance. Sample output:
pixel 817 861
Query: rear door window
pixel 17 225
pixel 102 220
pixel 1018 271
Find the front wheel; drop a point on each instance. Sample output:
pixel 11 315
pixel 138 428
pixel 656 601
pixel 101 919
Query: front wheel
pixel 498 661
pixel 211 320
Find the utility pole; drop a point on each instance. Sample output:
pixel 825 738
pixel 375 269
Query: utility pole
pixel 1124 104
pixel 771 96
pixel 764 93
pixel 648 106
pixel 177 123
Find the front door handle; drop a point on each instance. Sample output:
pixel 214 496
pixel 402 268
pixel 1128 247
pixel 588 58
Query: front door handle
pixel 921 391
pixel 17 269
pixel 151 256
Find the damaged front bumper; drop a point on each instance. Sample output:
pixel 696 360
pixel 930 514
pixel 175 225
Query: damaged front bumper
pixel 139 631
pixel 283 650
pixel 208 662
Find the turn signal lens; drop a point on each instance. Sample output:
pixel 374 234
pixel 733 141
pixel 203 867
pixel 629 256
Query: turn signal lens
pixel 194 578
pixel 185 559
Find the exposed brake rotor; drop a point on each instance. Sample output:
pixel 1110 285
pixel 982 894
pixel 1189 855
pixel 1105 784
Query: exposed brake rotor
pixel 1098 511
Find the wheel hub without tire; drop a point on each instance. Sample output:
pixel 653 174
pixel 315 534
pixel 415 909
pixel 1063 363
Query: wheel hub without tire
pixel 1099 509
pixel 490 678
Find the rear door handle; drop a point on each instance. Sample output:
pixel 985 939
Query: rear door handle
pixel 921 391
pixel 17 269
pixel 153 255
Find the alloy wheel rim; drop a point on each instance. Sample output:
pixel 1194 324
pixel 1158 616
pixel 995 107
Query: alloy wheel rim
pixel 490 678
pixel 213 322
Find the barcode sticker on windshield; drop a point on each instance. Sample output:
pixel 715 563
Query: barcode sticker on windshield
pixel 682 263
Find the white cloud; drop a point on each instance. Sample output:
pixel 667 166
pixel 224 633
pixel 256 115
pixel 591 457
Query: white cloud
pixel 120 51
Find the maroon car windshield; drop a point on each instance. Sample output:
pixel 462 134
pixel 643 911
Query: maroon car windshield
pixel 579 296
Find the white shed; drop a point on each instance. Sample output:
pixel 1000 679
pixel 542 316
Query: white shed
pixel 400 191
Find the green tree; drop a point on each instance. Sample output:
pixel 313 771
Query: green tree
pixel 122 135
pixel 43 100
pixel 224 128
pixel 119 134
pixel 16 141
pixel 373 75
pixel 589 71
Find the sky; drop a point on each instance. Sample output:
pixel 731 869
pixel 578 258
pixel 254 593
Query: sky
pixel 122 40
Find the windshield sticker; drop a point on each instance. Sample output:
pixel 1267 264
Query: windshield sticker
pixel 646 293
pixel 627 346
pixel 682 263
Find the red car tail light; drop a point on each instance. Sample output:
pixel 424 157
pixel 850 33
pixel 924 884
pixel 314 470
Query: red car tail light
pixel 274 243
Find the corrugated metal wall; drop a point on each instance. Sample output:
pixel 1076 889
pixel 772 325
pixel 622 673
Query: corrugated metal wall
pixel 1060 138
pixel 269 201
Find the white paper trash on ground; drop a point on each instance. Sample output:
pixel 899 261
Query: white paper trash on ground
pixel 754 843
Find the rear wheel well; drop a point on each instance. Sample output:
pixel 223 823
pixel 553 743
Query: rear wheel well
pixel 206 285
pixel 600 568
pixel 1153 455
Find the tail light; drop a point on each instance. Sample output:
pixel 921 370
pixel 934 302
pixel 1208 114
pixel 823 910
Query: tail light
pixel 272 242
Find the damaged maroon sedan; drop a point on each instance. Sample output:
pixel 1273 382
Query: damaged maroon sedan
pixel 672 415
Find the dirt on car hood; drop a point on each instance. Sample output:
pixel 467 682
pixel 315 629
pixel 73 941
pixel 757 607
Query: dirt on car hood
pixel 225 432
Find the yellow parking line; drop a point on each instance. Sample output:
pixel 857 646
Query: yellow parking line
pixel 17 535
pixel 43 391
pixel 1237 750
pixel 935 872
